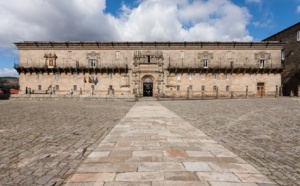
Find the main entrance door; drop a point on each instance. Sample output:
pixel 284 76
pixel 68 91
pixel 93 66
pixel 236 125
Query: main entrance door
pixel 147 87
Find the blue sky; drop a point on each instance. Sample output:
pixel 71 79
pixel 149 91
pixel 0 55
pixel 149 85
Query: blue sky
pixel 139 20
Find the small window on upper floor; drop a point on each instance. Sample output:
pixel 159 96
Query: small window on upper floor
pixel 56 75
pixel 117 54
pixel 69 54
pixel 298 35
pixel 178 88
pixel 203 76
pixel 40 76
pixel 205 63
pixel 261 63
pixel 148 59
pixel 93 63
pixel 181 54
pixel 282 55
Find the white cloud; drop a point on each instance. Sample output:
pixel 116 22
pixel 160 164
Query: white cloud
pixel 298 9
pixel 253 1
pixel 160 20
pixel 8 72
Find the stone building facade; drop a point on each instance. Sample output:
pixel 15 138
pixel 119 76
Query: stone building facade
pixel 148 68
pixel 290 58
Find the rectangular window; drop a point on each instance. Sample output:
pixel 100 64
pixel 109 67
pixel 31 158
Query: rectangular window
pixel 178 88
pixel 203 88
pixel 203 76
pixel 282 55
pixel 181 54
pixel 40 87
pixel 191 87
pixel 56 87
pixel 178 76
pixel 205 63
pixel 215 75
pixel 69 54
pixel 117 54
pixel 56 75
pixel 75 75
pixel 215 88
pixel 148 59
pixel 51 63
pixel 227 88
pixel 110 87
pixel 261 63
pixel 229 56
pixel 40 76
pixel 110 75
pixel 190 76
pixel 92 87
pixel 93 63
pixel 298 35
pixel 227 76
pixel 74 87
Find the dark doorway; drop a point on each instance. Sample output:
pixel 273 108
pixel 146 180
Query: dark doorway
pixel 148 89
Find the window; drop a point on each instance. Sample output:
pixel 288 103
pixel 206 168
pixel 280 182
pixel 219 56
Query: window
pixel 178 88
pixel 215 88
pixel 205 63
pixel 178 76
pixel 75 75
pixel 191 87
pixel 110 87
pixel 93 63
pixel 40 87
pixel 203 88
pixel 56 75
pixel 282 55
pixel 190 76
pixel 117 54
pixel 261 63
pixel 148 59
pixel 202 76
pixel 69 54
pixel 110 75
pixel 92 87
pixel 51 63
pixel 298 35
pixel 227 76
pixel 181 54
pixel 227 88
pixel 56 87
pixel 229 56
pixel 40 76
pixel 215 75
pixel 251 76
pixel 74 87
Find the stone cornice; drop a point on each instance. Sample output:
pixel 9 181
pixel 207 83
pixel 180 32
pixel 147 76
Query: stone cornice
pixel 94 45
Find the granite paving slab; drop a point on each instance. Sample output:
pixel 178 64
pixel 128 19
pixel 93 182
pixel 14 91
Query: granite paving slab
pixel 170 152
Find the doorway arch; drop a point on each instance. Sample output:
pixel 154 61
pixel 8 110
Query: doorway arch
pixel 147 86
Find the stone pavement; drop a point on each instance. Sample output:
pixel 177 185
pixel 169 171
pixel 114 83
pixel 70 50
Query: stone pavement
pixel 153 146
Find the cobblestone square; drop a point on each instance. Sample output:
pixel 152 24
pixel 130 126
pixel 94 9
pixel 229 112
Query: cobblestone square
pixel 42 142
pixel 264 132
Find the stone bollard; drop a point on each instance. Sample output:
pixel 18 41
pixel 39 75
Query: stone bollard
pixel 202 95
pixel 276 93
pixel 188 93
pixel 231 95
pixel 217 93
pixel 246 91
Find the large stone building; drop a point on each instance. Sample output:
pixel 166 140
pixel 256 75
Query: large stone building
pixel 290 58
pixel 149 68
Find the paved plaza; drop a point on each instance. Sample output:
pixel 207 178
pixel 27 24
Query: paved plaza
pixel 212 142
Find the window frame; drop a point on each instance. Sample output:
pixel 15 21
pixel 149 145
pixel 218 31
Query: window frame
pixel 178 88
pixel 205 63
pixel 56 75
pixel 202 76
pixel 215 76
pixel 178 76
pixel 56 87
pixel 39 87
pixel 298 35
pixel 74 87
pixel 190 76
pixel 262 63
pixel 203 88
pixel 93 62
pixel 227 88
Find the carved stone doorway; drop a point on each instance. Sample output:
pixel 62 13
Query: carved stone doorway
pixel 147 87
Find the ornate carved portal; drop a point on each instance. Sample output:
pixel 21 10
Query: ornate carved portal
pixel 148 65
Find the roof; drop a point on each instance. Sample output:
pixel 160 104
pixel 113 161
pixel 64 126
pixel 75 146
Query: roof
pixel 97 44
pixel 295 25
